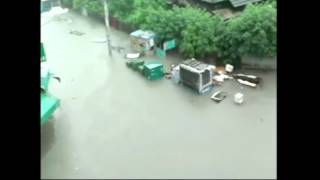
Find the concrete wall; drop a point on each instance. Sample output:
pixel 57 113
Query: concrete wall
pixel 259 63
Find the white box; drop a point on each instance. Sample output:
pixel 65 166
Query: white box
pixel 229 68
pixel 238 98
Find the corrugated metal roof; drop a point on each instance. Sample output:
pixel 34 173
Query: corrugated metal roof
pixel 195 64
pixel 235 3
pixel 214 1
pixel 238 3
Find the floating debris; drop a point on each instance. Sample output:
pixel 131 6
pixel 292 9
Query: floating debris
pixel 246 83
pixel 238 98
pixel 78 33
pixel 229 68
pixel 219 96
pixel 132 55
pixel 248 80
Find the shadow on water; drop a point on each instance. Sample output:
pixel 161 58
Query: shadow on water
pixel 47 137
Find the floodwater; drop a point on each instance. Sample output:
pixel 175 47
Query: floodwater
pixel 114 123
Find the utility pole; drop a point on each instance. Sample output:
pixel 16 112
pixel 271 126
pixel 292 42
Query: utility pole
pixel 106 17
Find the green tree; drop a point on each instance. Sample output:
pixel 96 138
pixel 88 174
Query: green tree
pixel 257 31
pixel 200 34
pixel 77 4
pixel 92 6
pixel 195 30
pixel 252 33
pixel 143 8
pixel 121 9
pixel 161 21
pixel 272 2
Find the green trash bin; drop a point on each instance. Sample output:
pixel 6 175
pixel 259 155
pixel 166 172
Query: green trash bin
pixel 134 64
pixel 49 104
pixel 45 6
pixel 140 69
pixel 45 77
pixel 43 54
pixel 153 71
pixel 160 52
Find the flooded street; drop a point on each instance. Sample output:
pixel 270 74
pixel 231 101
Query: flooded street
pixel 114 123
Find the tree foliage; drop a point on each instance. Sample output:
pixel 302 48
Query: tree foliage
pixel 254 32
pixel 77 4
pixel 201 33
pixel 92 6
pixel 272 3
pixel 121 9
pixel 197 32
pixel 143 8
pixel 162 21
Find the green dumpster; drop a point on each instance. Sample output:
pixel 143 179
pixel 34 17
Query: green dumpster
pixel 161 53
pixel 43 54
pixel 49 104
pixel 140 69
pixel 134 64
pixel 45 6
pixel 153 71
pixel 169 45
pixel 45 79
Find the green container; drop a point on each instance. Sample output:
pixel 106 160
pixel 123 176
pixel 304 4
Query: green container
pixel 161 53
pixel 49 104
pixel 45 6
pixel 153 71
pixel 43 54
pixel 169 45
pixel 140 69
pixel 134 64
pixel 45 76
pixel 45 82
